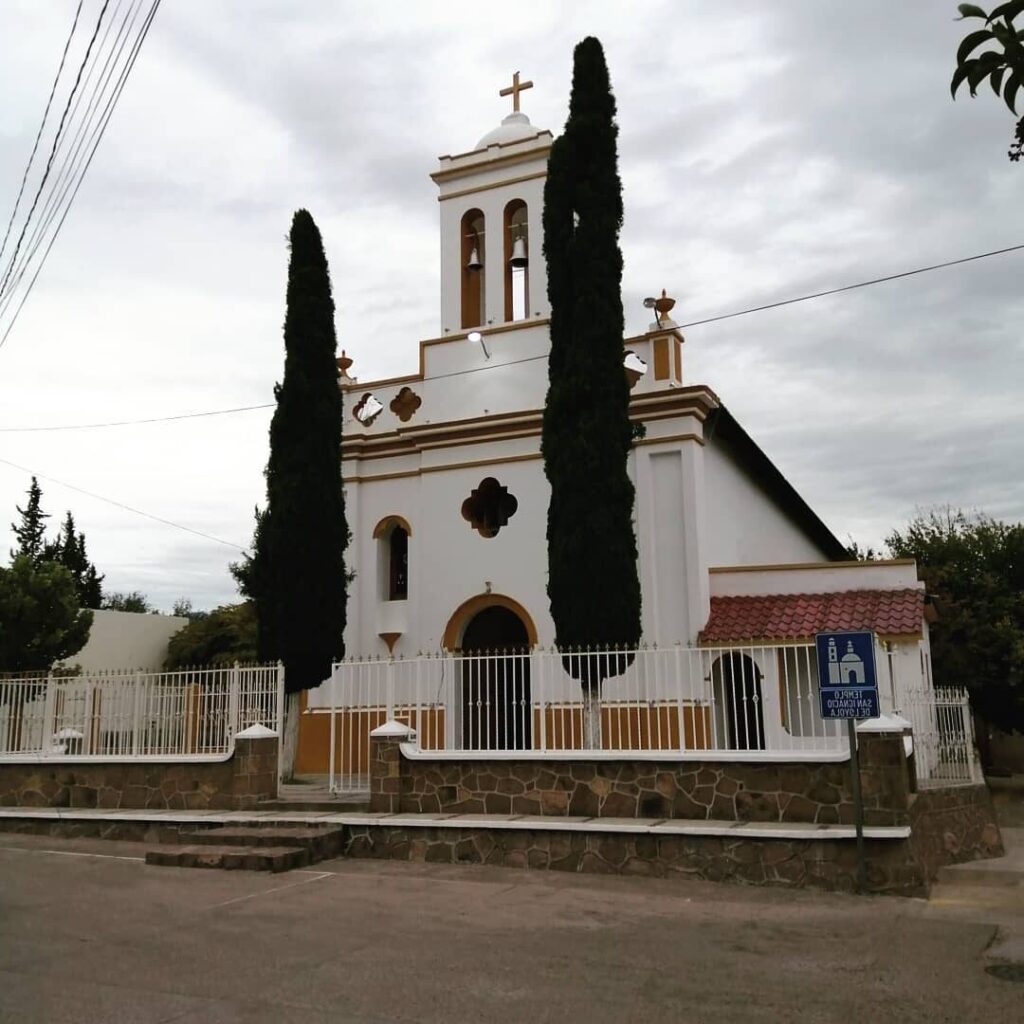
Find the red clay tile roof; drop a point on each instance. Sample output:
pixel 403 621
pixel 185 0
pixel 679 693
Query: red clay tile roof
pixel 800 616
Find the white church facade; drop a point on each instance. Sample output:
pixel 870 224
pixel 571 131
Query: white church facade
pixel 447 499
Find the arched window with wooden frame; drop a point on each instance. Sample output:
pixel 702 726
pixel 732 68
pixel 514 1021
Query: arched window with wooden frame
pixel 474 309
pixel 517 257
pixel 393 534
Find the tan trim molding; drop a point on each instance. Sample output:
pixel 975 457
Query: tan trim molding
pixel 669 439
pixel 497 460
pixel 808 565
pixel 462 615
pixel 671 403
pixel 538 151
pixel 488 330
pixel 538 134
pixel 492 187
pixel 387 522
pixel 460 335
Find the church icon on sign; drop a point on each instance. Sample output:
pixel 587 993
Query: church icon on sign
pixel 849 671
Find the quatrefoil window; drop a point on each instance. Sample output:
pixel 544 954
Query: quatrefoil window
pixel 368 409
pixel 405 403
pixel 489 507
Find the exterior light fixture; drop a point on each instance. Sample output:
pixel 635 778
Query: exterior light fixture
pixel 478 339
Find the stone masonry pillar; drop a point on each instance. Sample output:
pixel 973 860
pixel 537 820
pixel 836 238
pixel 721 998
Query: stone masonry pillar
pixel 885 771
pixel 386 765
pixel 254 767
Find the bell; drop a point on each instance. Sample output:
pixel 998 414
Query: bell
pixel 475 262
pixel 518 257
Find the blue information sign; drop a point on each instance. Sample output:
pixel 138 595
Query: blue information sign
pixel 847 681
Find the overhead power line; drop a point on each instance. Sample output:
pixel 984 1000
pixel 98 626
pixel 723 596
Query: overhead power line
pixel 74 153
pixel 39 134
pixel 851 287
pixel 121 505
pixel 56 143
pixel 531 359
pixel 134 423
pixel 78 158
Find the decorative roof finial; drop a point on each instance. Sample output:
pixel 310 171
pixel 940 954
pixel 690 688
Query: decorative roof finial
pixel 663 306
pixel 344 363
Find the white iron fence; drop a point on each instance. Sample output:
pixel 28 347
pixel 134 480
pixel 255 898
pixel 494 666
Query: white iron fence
pixel 188 714
pixel 760 702
pixel 944 747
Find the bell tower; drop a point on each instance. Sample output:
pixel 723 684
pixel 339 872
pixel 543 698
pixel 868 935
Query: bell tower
pixel 492 267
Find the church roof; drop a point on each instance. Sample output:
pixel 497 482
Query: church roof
pixel 515 127
pixel 799 616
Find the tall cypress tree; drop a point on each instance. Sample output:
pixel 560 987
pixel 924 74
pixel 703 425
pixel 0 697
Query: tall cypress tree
pixel 31 529
pixel 297 575
pixel 593 587
pixel 69 550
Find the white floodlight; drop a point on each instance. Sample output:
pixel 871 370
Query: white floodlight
pixel 478 339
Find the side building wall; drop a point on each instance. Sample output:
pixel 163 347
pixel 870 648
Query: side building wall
pixel 133 640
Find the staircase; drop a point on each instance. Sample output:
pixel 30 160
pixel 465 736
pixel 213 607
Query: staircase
pixel 992 891
pixel 311 793
pixel 265 845
pixel 272 847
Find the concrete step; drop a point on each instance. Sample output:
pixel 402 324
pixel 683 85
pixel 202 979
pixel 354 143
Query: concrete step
pixel 321 842
pixel 324 805
pixel 1006 871
pixel 248 858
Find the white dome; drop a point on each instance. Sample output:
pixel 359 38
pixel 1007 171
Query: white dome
pixel 513 128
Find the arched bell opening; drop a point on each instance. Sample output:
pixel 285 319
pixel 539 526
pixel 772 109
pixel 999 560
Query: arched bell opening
pixel 473 259
pixel 517 259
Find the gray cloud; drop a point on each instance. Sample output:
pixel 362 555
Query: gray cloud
pixel 766 151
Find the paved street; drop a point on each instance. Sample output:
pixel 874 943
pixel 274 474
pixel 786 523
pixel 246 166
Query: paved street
pixel 89 938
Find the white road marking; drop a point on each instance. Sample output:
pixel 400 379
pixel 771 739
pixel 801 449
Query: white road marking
pixel 280 888
pixel 67 853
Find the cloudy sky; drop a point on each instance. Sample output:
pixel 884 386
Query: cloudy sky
pixel 766 151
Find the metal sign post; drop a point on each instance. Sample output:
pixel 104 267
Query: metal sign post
pixel 848 688
pixel 858 805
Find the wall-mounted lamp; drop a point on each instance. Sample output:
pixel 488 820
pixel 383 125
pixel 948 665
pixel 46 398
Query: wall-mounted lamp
pixel 478 339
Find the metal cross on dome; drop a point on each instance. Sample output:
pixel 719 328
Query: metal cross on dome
pixel 514 90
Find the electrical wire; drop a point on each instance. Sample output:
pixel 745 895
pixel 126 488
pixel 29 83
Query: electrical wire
pixel 97 137
pixel 71 159
pixel 532 359
pixel 42 126
pixel 127 508
pixel 56 141
pixel 851 287
pixel 456 373
pixel 133 423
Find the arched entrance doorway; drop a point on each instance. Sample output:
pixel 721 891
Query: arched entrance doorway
pixel 496 710
pixel 737 691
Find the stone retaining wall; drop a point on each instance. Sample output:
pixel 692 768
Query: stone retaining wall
pixel 947 825
pixel 818 864
pixel 804 791
pixel 238 783
pixel 795 863
pixel 953 825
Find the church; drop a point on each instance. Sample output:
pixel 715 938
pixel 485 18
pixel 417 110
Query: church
pixel 445 489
